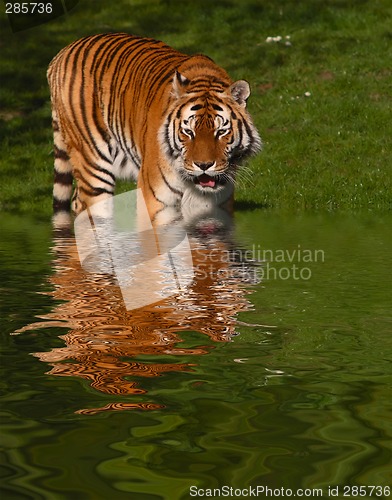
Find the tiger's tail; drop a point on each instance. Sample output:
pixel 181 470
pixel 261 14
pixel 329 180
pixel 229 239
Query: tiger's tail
pixel 63 177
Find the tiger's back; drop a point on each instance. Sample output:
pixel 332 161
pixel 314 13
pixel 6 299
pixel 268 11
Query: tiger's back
pixel 124 105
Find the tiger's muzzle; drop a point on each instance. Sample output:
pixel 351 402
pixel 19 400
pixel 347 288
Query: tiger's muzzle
pixel 206 178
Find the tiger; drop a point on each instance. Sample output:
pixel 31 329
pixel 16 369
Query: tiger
pixel 125 106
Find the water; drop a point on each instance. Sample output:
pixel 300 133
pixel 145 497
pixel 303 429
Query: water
pixel 276 375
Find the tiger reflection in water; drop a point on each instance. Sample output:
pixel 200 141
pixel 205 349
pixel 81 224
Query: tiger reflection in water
pixel 104 338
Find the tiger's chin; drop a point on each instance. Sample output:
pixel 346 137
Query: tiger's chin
pixel 205 192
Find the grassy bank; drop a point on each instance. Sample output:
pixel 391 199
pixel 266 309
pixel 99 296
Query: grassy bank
pixel 321 94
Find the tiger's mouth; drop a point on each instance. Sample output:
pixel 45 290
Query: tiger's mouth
pixel 205 181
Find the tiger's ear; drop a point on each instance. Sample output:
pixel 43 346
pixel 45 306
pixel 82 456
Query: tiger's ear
pixel 240 92
pixel 180 83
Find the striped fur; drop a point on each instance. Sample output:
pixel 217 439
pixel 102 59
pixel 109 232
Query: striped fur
pixel 130 107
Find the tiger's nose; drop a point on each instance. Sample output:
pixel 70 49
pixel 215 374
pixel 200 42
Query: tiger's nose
pixel 204 165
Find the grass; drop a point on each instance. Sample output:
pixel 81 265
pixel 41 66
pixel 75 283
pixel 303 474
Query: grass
pixel 327 150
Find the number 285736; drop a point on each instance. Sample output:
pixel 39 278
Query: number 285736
pixel 28 8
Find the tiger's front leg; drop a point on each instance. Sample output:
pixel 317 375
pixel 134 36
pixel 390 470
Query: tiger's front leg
pixel 153 204
pixel 158 186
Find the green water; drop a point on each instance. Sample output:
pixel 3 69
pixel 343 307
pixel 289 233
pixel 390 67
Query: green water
pixel 299 398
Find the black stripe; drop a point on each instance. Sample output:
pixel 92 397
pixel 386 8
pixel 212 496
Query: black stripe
pixel 174 136
pixel 248 130
pixel 146 179
pixel 216 107
pixel 96 176
pixel 61 205
pixel 124 162
pixel 155 196
pixel 105 171
pixel 167 139
pixel 176 191
pixel 63 178
pixel 93 191
pixel 173 221
pixel 60 153
pixel 209 89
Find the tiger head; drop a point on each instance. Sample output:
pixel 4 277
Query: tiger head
pixel 208 132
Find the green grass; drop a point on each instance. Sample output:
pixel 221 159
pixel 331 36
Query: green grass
pixel 329 150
